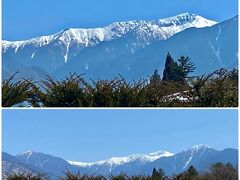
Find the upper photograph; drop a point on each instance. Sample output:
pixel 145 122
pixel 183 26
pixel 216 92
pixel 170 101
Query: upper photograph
pixel 119 53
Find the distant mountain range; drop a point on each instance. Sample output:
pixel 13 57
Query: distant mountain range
pixel 133 49
pixel 200 156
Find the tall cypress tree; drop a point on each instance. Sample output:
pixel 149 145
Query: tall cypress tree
pixel 168 68
pixel 172 71
pixel 177 72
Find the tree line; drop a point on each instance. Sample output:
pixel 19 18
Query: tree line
pixel 217 171
pixel 175 89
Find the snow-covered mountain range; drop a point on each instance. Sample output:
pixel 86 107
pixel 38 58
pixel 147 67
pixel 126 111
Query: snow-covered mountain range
pixel 146 30
pixel 117 48
pixel 116 161
pixel 200 156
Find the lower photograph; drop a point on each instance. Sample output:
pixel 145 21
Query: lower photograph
pixel 119 144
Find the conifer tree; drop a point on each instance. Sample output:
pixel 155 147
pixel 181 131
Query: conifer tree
pixel 192 172
pixel 155 79
pixel 158 174
pixel 186 66
pixel 155 172
pixel 172 71
pixel 169 63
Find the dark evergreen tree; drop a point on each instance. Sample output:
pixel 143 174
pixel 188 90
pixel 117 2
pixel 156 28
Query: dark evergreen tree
pixel 172 71
pixel 158 174
pixel 190 174
pixel 186 66
pixel 169 63
pixel 192 171
pixel 155 79
pixel 155 172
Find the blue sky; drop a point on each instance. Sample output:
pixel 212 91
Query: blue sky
pixel 30 18
pixel 91 135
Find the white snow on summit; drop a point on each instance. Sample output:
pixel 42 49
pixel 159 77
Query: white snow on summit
pixel 81 38
pixel 122 160
pixel 26 154
pixel 194 150
pixel 199 147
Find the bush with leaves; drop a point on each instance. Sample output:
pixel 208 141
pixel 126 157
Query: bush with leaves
pixel 27 176
pixel 16 92
pixel 175 89
pixel 103 93
pixel 219 89
pixel 69 92
pixel 68 175
pixel 220 171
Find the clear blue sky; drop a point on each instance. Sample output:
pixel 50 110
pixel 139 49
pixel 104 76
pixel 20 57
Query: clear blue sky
pixel 24 19
pixel 91 135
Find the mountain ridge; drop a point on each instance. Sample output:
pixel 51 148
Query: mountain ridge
pixel 200 156
pixel 121 160
pixel 162 22
pixel 61 47
pixel 127 50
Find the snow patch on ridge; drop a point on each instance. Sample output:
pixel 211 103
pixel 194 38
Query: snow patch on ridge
pixel 194 150
pixel 33 54
pixel 216 52
pixel 122 160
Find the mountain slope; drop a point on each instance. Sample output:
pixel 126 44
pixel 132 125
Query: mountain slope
pixel 209 48
pixel 181 161
pixel 47 163
pixel 49 53
pixel 201 157
pixel 10 164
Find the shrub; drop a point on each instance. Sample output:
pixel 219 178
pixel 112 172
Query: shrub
pixel 69 92
pixel 16 92
pixel 27 176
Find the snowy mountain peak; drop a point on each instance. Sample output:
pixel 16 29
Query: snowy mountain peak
pixel 49 54
pixel 194 151
pixel 185 16
pixel 188 17
pixel 55 166
pixel 200 147
pixel 27 154
pixel 144 30
pixel 186 20
pixel 159 154
pixel 122 160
